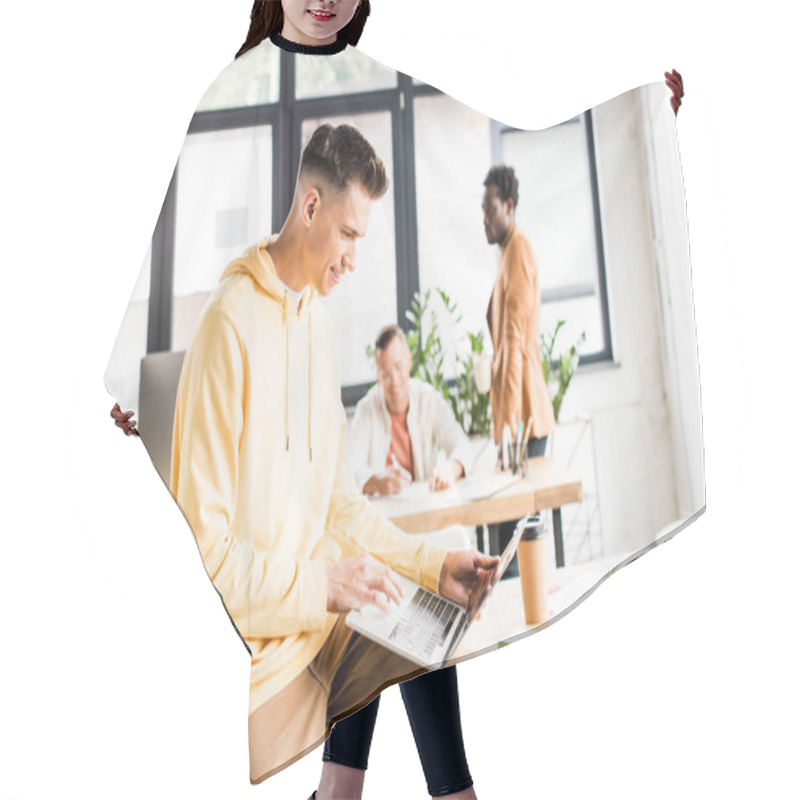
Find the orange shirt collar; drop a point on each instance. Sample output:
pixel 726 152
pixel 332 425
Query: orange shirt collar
pixel 511 231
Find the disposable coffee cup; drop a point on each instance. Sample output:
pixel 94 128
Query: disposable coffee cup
pixel 532 557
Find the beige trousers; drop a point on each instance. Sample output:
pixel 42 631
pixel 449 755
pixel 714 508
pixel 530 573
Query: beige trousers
pixel 346 674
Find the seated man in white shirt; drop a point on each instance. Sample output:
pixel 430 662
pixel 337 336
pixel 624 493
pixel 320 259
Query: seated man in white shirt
pixel 403 429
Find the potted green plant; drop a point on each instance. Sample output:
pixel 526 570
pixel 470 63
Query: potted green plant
pixel 558 369
pixel 470 406
pixel 466 395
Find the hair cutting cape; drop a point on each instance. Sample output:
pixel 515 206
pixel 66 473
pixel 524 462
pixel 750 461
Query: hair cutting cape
pixel 243 398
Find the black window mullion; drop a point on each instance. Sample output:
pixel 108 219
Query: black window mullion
pixel 295 117
pixel 231 118
pixel 406 235
pixel 363 103
pixel 162 259
pixel 352 394
pixel 244 117
pixel 570 292
pixel 282 174
pixel 602 286
pixel 423 89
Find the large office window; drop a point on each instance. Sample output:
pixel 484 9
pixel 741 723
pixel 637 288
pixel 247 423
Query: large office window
pixel 453 253
pixel 235 181
pixel 349 71
pixel 223 204
pixel 558 210
pixel 130 345
pixel 239 85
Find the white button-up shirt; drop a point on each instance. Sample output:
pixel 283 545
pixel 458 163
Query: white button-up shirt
pixel 432 426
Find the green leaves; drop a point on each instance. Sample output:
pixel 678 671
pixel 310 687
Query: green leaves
pixel 428 354
pixel 558 369
pixel 471 408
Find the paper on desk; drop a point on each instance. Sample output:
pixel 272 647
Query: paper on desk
pixel 476 487
pixel 411 491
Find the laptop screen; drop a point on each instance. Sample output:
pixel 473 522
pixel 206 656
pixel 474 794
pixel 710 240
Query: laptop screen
pixel 488 579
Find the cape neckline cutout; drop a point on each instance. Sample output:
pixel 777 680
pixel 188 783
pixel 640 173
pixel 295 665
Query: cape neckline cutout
pixel 308 49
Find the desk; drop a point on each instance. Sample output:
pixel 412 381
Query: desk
pixel 503 618
pixel 546 485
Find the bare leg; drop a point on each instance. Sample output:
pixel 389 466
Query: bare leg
pixel 343 783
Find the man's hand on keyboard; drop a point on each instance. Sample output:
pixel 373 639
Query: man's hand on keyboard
pixel 360 581
pixel 461 572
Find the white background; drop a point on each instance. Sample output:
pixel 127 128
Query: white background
pixel 120 676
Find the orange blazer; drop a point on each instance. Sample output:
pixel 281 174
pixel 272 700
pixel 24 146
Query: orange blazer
pixel 518 387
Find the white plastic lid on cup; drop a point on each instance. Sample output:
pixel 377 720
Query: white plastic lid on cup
pixel 535 529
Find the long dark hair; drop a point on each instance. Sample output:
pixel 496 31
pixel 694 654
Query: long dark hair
pixel 266 19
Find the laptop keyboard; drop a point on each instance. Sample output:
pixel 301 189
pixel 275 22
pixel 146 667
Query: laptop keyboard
pixel 424 624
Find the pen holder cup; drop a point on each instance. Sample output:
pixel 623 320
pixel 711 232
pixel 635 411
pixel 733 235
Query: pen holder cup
pixel 532 557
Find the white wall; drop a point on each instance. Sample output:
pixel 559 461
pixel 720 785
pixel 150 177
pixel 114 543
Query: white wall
pixel 637 443
pixel 671 243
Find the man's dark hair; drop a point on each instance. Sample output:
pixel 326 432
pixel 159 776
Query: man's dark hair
pixel 505 180
pixel 340 156
pixel 387 335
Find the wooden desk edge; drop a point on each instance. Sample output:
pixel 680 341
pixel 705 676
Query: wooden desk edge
pixel 490 510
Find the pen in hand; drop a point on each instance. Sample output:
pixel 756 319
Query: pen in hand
pixel 404 473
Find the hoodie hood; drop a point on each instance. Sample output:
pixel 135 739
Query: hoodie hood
pixel 258 264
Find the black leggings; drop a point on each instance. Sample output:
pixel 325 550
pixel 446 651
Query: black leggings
pixel 432 706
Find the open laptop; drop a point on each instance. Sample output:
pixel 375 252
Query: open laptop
pixel 425 627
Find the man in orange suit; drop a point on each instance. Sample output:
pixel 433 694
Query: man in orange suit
pixel 518 391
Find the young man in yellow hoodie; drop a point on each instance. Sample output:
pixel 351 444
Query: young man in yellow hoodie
pixel 259 468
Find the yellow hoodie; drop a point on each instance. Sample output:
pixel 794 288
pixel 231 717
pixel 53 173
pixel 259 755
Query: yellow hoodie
pixel 260 471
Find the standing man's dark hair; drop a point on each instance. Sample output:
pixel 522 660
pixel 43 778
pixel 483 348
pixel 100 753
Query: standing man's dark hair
pixel 499 202
pixel 505 180
pixel 266 19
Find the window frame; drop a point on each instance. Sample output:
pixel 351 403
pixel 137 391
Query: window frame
pixel 286 116
pixel 577 290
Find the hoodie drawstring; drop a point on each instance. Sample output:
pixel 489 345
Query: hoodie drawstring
pixel 261 269
pixel 286 383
